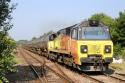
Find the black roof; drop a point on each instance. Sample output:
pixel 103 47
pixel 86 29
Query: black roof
pixel 86 23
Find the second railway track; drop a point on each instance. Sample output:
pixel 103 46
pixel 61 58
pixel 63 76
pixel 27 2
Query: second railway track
pixel 105 78
pixel 41 80
pixel 65 79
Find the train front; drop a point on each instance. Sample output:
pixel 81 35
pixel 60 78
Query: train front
pixel 95 48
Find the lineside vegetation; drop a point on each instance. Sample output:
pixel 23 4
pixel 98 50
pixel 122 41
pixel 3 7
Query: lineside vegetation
pixel 7 44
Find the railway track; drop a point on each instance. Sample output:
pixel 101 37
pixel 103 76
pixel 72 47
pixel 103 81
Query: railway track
pixel 65 78
pixel 118 80
pixel 41 80
pixel 63 73
pixel 102 81
pixel 120 74
pixel 96 80
pixel 115 78
pixel 71 81
pixel 83 75
pixel 104 76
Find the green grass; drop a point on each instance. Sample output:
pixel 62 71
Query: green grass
pixel 1 81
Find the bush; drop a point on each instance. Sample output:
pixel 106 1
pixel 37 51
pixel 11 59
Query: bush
pixel 119 51
pixel 6 44
pixel 6 57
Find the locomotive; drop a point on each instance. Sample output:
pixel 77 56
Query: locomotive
pixel 86 46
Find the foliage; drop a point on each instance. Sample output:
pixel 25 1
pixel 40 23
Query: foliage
pixel 117 51
pixel 22 42
pixel 121 28
pixel 6 57
pixel 6 44
pixel 34 38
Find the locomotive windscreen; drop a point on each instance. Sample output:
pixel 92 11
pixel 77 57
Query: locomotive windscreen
pixel 93 33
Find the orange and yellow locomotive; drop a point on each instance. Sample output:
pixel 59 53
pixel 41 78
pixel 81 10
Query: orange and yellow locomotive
pixel 86 46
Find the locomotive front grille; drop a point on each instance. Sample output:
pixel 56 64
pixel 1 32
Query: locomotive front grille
pixel 91 59
pixel 94 49
pixel 95 56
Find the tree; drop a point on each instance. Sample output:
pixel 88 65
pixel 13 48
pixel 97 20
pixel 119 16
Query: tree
pixel 34 38
pixel 121 28
pixel 6 44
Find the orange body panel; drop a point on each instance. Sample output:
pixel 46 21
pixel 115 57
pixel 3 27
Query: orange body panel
pixel 62 43
pixel 74 49
pixel 70 45
pixel 65 43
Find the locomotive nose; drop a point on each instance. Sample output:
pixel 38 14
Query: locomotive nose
pixel 94 49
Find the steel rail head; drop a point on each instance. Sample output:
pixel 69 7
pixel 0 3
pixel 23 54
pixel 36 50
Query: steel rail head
pixel 64 73
pixel 114 77
pixel 61 76
pixel 85 75
pixel 120 74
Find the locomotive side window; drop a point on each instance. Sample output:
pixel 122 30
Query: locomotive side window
pixel 52 37
pixel 81 33
pixel 74 33
pixel 68 31
pixel 63 31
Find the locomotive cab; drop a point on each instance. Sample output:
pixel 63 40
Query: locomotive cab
pixel 95 48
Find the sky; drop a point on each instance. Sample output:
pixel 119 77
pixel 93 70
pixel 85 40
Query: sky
pixel 32 18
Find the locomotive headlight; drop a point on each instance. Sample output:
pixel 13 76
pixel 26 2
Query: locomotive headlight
pixel 84 49
pixel 107 48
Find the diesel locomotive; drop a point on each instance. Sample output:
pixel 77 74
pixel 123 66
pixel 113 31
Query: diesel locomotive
pixel 86 46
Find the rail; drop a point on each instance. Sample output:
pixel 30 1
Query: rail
pixel 67 80
pixel 121 80
pixel 33 69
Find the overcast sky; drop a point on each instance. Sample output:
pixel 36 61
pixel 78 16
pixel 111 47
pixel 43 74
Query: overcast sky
pixel 35 17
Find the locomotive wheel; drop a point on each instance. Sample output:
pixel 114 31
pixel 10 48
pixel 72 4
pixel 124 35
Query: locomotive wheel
pixel 60 59
pixel 74 65
pixel 68 60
